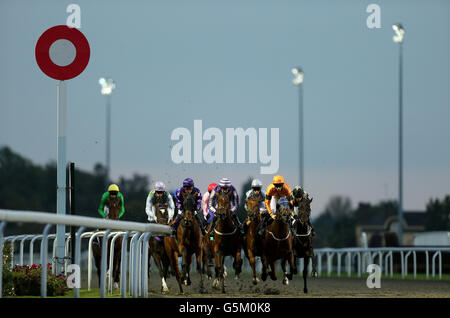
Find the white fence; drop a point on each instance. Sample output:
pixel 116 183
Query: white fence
pixel 136 265
pixel 359 258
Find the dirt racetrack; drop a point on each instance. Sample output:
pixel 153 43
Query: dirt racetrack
pixel 317 287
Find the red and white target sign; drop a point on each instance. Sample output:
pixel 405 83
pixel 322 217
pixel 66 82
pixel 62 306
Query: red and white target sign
pixel 62 53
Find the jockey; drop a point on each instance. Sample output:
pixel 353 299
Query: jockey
pixel 298 192
pixel 113 191
pixel 256 192
pixel 188 187
pixel 276 190
pixel 225 187
pixel 158 195
pixel 207 214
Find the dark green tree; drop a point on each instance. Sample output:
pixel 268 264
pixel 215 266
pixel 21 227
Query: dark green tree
pixel 437 216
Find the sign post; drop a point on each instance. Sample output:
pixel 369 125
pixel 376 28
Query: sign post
pixel 53 51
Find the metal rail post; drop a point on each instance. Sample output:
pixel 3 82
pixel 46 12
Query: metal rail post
pixel 44 257
pixel 77 246
pixel 32 247
pixel 145 265
pixel 104 263
pixel 123 266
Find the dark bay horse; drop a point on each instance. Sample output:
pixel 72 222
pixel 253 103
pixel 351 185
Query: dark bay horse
pixel 278 244
pixel 188 243
pixel 113 204
pixel 227 240
pixel 157 250
pixel 252 243
pixel 303 243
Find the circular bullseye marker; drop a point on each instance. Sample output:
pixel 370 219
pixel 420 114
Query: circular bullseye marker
pixel 62 53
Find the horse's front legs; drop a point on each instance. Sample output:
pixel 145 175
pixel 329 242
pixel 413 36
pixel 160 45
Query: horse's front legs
pixel 185 266
pixel 199 256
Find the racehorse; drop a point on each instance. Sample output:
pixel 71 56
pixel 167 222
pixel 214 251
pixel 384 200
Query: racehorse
pixel 113 205
pixel 252 243
pixel 227 240
pixel 158 252
pixel 303 245
pixel 278 244
pixel 189 242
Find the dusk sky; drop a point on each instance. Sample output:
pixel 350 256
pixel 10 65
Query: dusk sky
pixel 228 63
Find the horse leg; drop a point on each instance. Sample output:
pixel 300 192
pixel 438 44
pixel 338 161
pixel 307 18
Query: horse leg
pixel 215 283
pixel 183 265
pixel 200 259
pixel 313 261
pixel 285 274
pixel 305 274
pixel 272 273
pixel 221 270
pixel 252 261
pixel 173 258
pixel 188 268
pixel 237 263
pixel 96 251
pixel 264 268
pixel 157 259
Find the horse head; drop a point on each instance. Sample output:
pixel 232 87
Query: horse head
pixel 189 205
pixel 223 205
pixel 253 209
pixel 304 208
pixel 114 207
pixel 162 214
pixel 283 214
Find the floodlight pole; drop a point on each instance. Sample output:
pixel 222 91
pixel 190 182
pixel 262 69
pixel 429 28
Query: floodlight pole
pixel 108 137
pixel 61 172
pixel 400 142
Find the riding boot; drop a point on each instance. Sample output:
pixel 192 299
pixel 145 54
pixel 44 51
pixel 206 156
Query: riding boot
pixel 238 223
pixel 212 226
pixel 200 223
pixel 176 223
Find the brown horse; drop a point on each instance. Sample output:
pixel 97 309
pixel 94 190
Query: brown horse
pixel 278 244
pixel 227 240
pixel 252 243
pixel 189 242
pixel 158 252
pixel 113 204
pixel 303 243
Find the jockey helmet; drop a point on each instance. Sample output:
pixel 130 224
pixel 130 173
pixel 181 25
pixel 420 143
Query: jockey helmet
pixel 113 187
pixel 188 182
pixel 211 187
pixel 256 183
pixel 160 186
pixel 278 179
pixel 298 192
pixel 225 183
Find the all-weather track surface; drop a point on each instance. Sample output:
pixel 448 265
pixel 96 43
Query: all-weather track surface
pixel 330 287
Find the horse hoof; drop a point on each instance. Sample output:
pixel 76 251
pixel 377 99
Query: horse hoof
pixel 215 283
pixel 236 277
pixel 202 290
pixel 313 274
pixel 255 281
pixel 185 282
pixel 285 281
pixel 264 277
pixel 305 290
pixel 116 285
